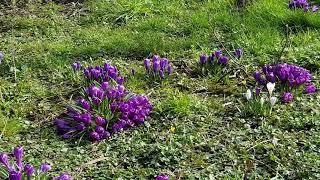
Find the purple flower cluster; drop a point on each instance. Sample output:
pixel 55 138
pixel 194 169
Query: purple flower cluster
pixel 17 170
pixel 223 60
pixel 303 4
pixel 162 177
pixel 105 109
pixel 158 67
pixel 103 74
pixel 287 74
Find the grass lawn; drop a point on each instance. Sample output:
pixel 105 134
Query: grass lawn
pixel 196 129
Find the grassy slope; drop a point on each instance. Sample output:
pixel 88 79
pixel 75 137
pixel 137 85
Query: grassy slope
pixel 189 136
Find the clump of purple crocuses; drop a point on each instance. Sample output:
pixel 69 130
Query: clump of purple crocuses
pixel 288 77
pixel 216 62
pixel 18 169
pixel 103 73
pixel 215 58
pixel 105 108
pixel 303 4
pixel 158 67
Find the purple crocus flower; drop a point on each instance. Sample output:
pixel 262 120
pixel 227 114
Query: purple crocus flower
pixel 99 129
pixel 95 136
pixel 203 59
pixel 217 54
pixel 310 88
pixel 120 80
pixel 162 177
pixel 45 167
pixel 224 60
pixel 270 77
pixel 306 8
pixel 155 58
pixel 156 66
pixel 18 153
pixel 257 75
pixel 29 169
pixel 86 118
pixel 76 66
pixel 63 176
pixel 15 175
pixel 147 64
pixel 4 159
pixel 100 121
pixel 105 86
pixel 258 91
pixel 238 52
pixel 169 69
pixel 161 73
pixel 163 63
pixel 315 8
pixel 106 135
pixel 80 127
pixel 287 97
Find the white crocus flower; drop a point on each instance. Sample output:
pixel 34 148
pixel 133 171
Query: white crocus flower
pixel 248 94
pixel 262 101
pixel 270 87
pixel 273 101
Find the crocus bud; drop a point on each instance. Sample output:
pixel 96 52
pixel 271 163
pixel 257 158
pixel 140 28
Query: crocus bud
pixel 162 177
pixel 147 64
pixel 223 60
pixel 310 89
pixel 287 97
pixel 273 101
pixel 169 69
pixel 161 74
pixel 156 66
pixel 203 59
pixel 45 167
pixel 29 169
pixel 99 129
pixel 76 66
pixel 262 100
pixel 133 72
pixel 238 52
pixel 63 176
pixel 155 58
pixel 120 80
pixel 14 175
pixel 258 91
pixel 105 86
pixel 217 54
pixel 163 63
pixel 18 153
pixel 80 127
pixel 257 75
pixel 248 94
pixel 4 159
pixel 94 136
pixel 86 105
pixel 315 8
pixel 100 121
pixel 86 118
pixel 270 87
